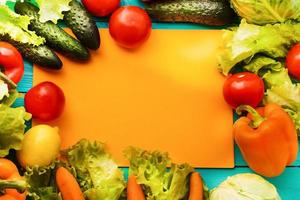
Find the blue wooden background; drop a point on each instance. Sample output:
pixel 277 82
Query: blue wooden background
pixel 288 184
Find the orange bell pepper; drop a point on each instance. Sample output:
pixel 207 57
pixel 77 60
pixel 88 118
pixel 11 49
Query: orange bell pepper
pixel 11 183
pixel 267 139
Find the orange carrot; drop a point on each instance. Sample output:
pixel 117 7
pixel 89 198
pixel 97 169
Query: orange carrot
pixel 134 190
pixel 7 168
pixel 68 185
pixel 7 197
pixel 196 187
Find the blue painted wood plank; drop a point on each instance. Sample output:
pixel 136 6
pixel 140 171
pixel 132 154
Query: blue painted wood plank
pixel 18 102
pixel 26 82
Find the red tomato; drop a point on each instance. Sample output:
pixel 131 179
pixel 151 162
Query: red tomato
pixel 243 88
pixel 101 8
pixel 293 61
pixel 11 61
pixel 130 26
pixel 45 101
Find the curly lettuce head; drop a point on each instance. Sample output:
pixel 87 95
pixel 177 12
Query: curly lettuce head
pixel 243 43
pixel 12 127
pixel 97 173
pixel 267 11
pixel 16 27
pixel 150 168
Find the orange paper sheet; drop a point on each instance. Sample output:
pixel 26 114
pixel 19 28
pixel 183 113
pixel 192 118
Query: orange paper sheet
pixel 166 95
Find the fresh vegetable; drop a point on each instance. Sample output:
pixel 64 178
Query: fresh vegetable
pixel 16 27
pixel 11 183
pixel 12 127
pixel 52 10
pixel 42 182
pixel 243 88
pixel 150 169
pixel 12 62
pixel 101 8
pixel 134 190
pixel 268 141
pixel 210 12
pixel 196 187
pixel 45 101
pixel 40 55
pixel 293 61
pixel 40 146
pixel 98 175
pixel 130 26
pixel 68 185
pixel 245 186
pixel 267 11
pixel 82 25
pixel 242 44
pixel 280 88
pixel 56 37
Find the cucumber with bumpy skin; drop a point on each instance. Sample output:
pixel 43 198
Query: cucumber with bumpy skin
pixel 56 37
pixel 82 25
pixel 40 55
pixel 209 12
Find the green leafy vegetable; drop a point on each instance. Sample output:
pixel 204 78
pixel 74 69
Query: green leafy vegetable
pixel 42 182
pixel 16 27
pixel 280 88
pixel 13 95
pixel 97 173
pixel 12 127
pixel 245 187
pixel 150 168
pixel 53 10
pixel 3 90
pixel 267 11
pixel 242 44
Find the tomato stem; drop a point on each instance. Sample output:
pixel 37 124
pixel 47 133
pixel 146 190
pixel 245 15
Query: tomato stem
pixel 257 119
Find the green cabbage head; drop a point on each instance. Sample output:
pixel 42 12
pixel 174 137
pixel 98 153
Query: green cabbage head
pixel 246 186
pixel 267 11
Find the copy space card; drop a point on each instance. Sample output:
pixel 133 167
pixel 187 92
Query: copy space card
pixel 166 95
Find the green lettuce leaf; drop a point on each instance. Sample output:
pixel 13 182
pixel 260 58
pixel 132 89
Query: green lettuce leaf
pixel 96 171
pixel 267 11
pixel 150 168
pixel 280 88
pixel 288 96
pixel 16 27
pixel 52 10
pixel 42 182
pixel 13 95
pixel 3 90
pixel 242 44
pixel 245 186
pixel 12 127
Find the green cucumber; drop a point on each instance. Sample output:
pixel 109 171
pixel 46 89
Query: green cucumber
pixel 208 12
pixel 56 37
pixel 40 55
pixel 82 25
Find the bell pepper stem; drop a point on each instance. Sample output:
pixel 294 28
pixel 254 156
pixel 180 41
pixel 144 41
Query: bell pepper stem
pixel 19 185
pixel 257 119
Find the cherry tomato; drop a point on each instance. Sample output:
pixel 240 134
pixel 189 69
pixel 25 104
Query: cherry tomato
pixel 130 26
pixel 45 101
pixel 293 61
pixel 11 62
pixel 101 8
pixel 243 88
